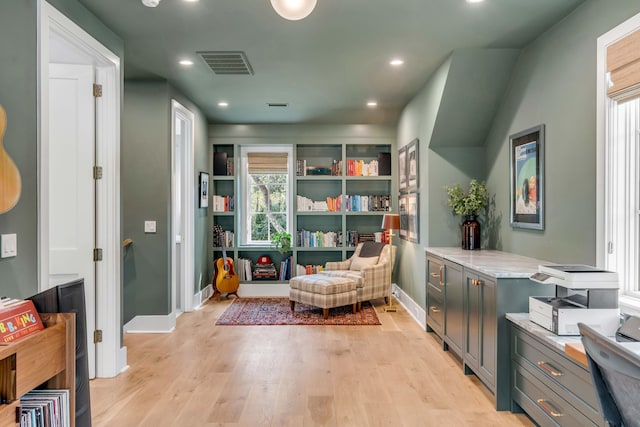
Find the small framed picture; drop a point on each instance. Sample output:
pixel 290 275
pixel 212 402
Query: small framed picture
pixel 204 190
pixel 404 216
pixel 413 218
pixel 403 184
pixel 412 165
pixel 527 178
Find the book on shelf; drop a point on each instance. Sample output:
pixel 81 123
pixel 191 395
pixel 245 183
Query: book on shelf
pixel 45 408
pixel 18 319
pixel 305 270
pixel 318 239
pixel 223 203
pixel 362 168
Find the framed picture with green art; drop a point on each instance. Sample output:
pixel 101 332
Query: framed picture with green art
pixel 526 157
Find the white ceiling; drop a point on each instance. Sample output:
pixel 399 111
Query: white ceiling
pixel 325 67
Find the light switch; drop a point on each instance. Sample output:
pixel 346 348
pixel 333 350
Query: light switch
pixel 9 245
pixel 149 226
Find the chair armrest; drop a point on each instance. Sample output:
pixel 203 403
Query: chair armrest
pixel 338 265
pixel 376 274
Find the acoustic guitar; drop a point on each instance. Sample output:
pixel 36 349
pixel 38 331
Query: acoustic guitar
pixel 225 280
pixel 10 183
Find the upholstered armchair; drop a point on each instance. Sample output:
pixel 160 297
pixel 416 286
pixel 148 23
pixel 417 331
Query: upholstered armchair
pixel 369 267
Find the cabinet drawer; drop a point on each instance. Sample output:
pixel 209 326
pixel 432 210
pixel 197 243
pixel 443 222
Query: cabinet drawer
pixel 434 272
pixel 553 368
pixel 546 407
pixel 435 308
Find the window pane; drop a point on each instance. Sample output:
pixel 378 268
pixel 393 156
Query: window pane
pixel 259 227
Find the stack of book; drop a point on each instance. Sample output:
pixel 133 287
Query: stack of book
pixel 285 269
pixel 243 269
pixel 40 408
pixel 362 168
pixel 223 203
pixel 366 203
pixel 265 272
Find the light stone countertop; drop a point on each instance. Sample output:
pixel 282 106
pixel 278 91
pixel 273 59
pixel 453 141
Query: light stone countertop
pixel 522 320
pixel 492 263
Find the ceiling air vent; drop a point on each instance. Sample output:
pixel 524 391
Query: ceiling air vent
pixel 277 104
pixel 234 63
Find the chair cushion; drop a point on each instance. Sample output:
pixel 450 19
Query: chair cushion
pixel 358 262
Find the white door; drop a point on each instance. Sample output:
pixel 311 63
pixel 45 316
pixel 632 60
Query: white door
pixel 71 185
pixel 182 208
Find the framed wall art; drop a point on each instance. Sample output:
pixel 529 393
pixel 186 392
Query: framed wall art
pixel 412 167
pixel 204 190
pixel 404 216
pixel 413 218
pixel 403 184
pixel 526 158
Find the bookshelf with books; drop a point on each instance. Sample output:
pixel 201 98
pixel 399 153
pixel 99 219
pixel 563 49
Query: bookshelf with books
pixel 328 201
pixel 43 360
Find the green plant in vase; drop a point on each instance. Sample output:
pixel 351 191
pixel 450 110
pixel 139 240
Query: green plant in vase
pixel 468 204
pixel 281 241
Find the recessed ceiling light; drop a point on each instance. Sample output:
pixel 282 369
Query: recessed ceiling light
pixel 191 1
pixel 185 62
pixel 223 104
pixel 475 1
pixel 372 104
pixel 396 62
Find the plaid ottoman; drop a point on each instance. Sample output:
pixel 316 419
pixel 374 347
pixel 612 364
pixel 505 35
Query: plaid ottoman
pixel 322 291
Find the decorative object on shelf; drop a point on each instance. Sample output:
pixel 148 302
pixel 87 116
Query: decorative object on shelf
pixel 204 190
pixel 403 184
pixel 294 10
pixel 468 205
pixel 10 182
pixel 412 168
pixel 281 241
pixel 390 222
pixel 526 157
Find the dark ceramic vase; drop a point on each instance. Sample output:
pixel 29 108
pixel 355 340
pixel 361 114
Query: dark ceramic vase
pixel 470 233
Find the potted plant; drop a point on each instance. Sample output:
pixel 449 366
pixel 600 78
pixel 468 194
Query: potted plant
pixel 468 205
pixel 281 241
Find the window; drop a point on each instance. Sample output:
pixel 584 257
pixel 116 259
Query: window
pixel 266 188
pixel 618 207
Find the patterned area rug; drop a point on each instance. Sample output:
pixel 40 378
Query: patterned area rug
pixel 277 311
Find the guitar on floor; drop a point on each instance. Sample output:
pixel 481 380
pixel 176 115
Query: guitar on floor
pixel 225 280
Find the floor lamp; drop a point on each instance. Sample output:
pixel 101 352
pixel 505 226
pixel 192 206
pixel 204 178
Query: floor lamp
pixel 390 222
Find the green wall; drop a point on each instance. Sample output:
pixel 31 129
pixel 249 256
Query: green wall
pixel 18 96
pixel 146 195
pixel 555 83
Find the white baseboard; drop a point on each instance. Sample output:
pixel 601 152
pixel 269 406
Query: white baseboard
pixel 202 296
pixel 151 324
pixel 263 290
pixel 122 360
pixel 413 308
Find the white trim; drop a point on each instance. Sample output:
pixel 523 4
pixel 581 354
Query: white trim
pixel 188 212
pixel 160 324
pixel 418 313
pixel 109 353
pixel 263 290
pixel 202 296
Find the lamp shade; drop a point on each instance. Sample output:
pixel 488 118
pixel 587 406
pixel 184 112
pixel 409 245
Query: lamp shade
pixel 294 10
pixel 391 222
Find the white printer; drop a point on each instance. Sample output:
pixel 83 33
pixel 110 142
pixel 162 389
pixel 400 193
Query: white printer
pixel 583 294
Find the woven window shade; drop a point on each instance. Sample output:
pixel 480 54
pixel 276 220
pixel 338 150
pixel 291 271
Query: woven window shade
pixel 268 162
pixel 623 66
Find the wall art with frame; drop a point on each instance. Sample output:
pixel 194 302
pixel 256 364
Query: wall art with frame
pixel 403 184
pixel 404 216
pixel 204 190
pixel 412 167
pixel 526 159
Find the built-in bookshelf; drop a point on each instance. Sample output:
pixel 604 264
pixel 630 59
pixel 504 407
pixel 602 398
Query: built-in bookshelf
pixel 341 192
pixel 45 359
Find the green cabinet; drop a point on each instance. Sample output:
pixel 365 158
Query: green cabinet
pixel 480 332
pixel 477 289
pixel 454 330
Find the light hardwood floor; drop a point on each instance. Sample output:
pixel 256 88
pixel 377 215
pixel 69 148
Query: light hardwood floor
pixel 205 375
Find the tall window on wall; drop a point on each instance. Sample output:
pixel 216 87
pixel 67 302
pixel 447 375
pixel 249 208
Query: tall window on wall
pixel 619 157
pixel 266 189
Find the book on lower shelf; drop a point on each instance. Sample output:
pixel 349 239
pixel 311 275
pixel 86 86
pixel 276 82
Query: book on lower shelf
pixel 18 319
pixel 44 408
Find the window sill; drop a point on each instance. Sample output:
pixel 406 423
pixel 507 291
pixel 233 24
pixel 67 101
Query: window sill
pixel 629 305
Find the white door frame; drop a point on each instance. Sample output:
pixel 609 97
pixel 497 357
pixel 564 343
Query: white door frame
pixel 187 290
pixel 110 355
